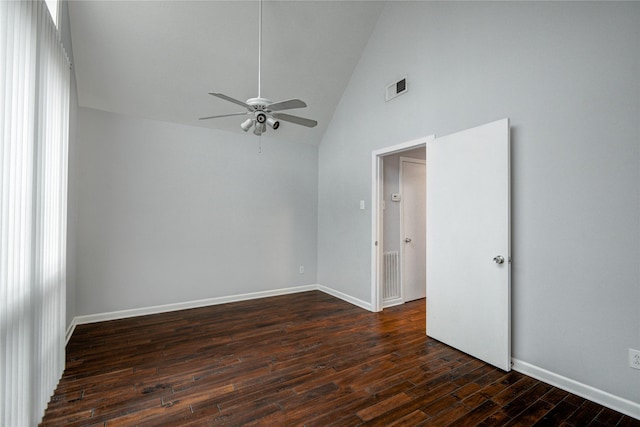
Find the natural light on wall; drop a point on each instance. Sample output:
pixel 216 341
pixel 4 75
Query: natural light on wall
pixel 34 91
pixel 52 5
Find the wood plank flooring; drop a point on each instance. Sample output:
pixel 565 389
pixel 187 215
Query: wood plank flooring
pixel 304 359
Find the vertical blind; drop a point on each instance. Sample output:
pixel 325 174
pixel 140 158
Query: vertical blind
pixel 34 111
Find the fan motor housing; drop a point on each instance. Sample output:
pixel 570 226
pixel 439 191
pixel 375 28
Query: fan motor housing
pixel 259 103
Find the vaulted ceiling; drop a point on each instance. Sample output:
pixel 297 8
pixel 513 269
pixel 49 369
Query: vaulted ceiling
pixel 159 59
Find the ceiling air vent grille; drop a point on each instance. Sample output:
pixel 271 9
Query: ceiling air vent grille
pixel 396 88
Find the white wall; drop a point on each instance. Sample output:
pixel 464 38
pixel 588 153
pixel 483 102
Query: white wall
pixel 568 76
pixel 170 213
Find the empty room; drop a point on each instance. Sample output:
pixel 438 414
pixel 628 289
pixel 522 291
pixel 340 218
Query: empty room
pixel 271 212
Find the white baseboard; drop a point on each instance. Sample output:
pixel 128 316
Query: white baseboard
pixel 392 302
pixel 69 332
pixel 348 298
pixel 143 311
pixel 601 397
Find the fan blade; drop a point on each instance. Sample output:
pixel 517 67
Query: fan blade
pixel 235 101
pixel 224 115
pixel 295 119
pixel 286 105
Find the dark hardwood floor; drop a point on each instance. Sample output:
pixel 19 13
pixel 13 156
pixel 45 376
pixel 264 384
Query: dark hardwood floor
pixel 303 359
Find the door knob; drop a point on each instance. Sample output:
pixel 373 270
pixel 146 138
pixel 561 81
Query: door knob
pixel 407 240
pixel 498 259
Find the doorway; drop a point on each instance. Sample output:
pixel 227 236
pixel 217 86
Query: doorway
pixel 389 251
pixel 468 239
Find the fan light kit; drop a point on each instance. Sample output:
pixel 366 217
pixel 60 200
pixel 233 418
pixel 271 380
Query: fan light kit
pixel 263 111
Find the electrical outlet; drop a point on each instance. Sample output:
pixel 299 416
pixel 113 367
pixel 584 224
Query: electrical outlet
pixel 302 269
pixel 634 358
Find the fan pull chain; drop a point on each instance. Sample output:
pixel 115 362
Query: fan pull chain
pixel 260 144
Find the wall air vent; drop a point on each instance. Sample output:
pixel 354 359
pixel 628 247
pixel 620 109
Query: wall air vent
pixel 396 88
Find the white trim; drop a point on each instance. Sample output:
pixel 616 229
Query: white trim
pixel 143 311
pixel 69 332
pixel 601 397
pixel 376 211
pixel 412 160
pixel 377 163
pixel 348 298
pixel 404 146
pixel 392 302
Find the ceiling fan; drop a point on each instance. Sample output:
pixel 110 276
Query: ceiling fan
pixel 263 111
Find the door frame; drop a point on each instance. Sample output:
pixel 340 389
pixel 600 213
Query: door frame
pixel 403 160
pixel 377 184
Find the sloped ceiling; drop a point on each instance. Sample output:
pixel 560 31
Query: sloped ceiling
pixel 158 59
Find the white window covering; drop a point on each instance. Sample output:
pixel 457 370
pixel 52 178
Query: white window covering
pixel 34 108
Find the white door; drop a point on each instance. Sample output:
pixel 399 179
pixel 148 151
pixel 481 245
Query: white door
pixel 413 228
pixel 468 242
